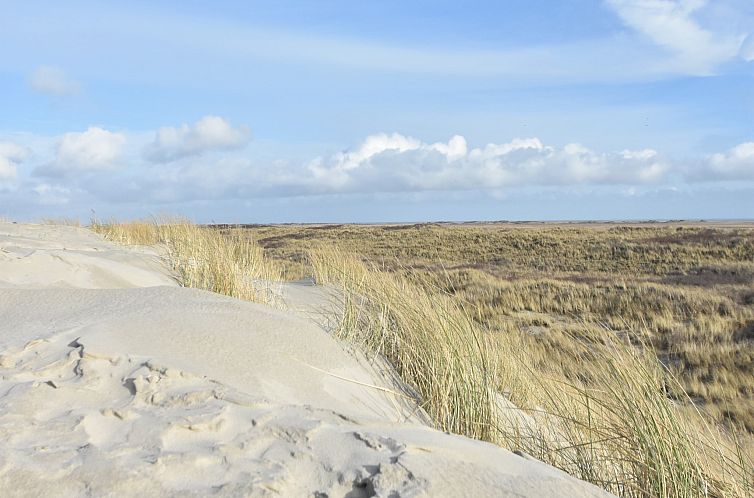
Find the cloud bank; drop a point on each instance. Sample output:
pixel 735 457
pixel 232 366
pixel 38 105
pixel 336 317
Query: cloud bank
pixel 202 163
pixel 398 163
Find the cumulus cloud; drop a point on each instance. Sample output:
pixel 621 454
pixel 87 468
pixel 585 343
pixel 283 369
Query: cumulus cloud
pixel 671 24
pixel 399 163
pixel 95 149
pixel 735 164
pixel 209 133
pixel 53 81
pixel 10 155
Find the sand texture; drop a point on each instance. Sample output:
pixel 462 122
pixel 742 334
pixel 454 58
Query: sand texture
pixel 115 381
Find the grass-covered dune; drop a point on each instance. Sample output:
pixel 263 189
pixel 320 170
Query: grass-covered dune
pixel 583 347
pixel 117 378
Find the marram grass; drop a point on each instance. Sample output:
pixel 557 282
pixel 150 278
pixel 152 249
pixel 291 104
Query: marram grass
pixel 227 262
pixel 434 346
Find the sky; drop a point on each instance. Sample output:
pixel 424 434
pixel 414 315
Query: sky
pixel 405 110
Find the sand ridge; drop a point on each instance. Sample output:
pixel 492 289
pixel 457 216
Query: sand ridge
pixel 114 381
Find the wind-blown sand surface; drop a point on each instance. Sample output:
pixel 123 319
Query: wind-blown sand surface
pixel 115 381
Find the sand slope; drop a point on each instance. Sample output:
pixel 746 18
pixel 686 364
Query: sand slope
pixel 116 382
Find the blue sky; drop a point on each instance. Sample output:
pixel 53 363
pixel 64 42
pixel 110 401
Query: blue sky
pixel 377 111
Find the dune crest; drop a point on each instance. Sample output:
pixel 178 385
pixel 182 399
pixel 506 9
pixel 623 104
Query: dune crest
pixel 116 381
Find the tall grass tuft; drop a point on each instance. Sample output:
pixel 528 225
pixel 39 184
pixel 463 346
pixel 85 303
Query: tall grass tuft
pixel 621 428
pixel 227 262
pixel 432 344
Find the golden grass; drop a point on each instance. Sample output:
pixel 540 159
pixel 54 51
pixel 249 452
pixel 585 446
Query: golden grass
pixel 434 347
pixel 226 262
pixel 620 427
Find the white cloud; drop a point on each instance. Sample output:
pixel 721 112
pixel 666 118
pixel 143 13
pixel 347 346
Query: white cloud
pixel 381 164
pixel 52 80
pixel 671 24
pixel 398 163
pixel 735 164
pixel 10 155
pixel 95 149
pixel 209 133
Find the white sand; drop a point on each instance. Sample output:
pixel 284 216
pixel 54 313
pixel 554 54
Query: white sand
pixel 114 381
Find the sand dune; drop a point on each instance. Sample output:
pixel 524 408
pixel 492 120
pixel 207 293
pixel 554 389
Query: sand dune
pixel 114 381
